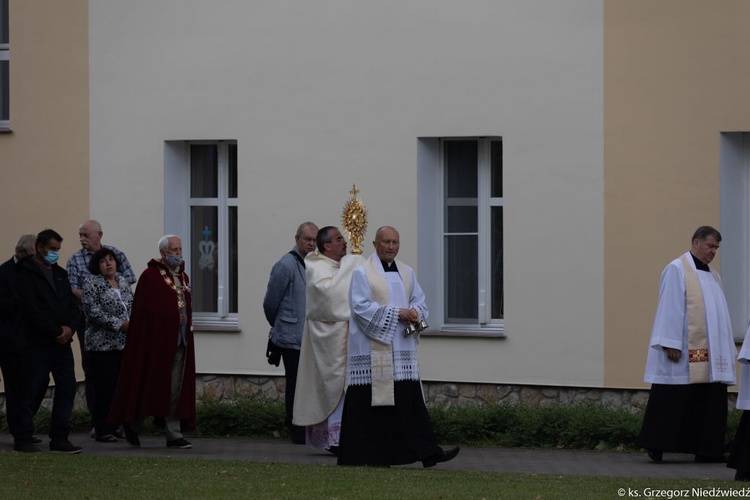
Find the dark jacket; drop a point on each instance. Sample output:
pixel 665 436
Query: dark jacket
pixel 284 303
pixel 11 322
pixel 44 309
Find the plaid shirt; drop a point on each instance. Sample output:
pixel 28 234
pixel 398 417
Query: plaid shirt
pixel 78 267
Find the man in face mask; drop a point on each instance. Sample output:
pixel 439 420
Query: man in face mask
pixel 157 375
pixel 50 312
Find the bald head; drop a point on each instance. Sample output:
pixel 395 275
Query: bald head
pixel 90 235
pixel 386 243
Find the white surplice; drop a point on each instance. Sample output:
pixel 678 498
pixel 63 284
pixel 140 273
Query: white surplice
pixel 743 396
pixel 671 329
pixel 379 322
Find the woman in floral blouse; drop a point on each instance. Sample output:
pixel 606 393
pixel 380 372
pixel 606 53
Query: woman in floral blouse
pixel 107 302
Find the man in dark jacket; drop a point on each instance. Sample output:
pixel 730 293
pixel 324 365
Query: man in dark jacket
pixel 11 332
pixel 50 311
pixel 284 306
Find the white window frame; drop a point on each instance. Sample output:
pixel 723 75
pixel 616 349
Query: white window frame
pixel 177 221
pixel 5 56
pixel 734 150
pixel 431 254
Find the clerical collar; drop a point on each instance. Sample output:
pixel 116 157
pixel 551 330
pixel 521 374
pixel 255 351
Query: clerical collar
pixel 700 265
pixel 389 268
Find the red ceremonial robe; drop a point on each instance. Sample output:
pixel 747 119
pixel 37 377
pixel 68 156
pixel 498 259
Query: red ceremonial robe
pixel 144 384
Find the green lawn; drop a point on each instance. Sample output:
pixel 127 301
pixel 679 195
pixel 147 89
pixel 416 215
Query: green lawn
pixel 47 475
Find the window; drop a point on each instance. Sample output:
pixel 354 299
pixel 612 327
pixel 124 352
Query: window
pixel 734 153
pixel 467 216
pixel 202 209
pixel 4 66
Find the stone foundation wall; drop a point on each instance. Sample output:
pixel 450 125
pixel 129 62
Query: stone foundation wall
pixel 437 394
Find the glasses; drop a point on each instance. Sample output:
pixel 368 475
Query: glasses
pixel 337 240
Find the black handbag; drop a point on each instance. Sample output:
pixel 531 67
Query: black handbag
pixel 273 354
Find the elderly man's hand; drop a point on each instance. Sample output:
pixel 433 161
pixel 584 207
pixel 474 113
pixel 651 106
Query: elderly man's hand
pixel 673 354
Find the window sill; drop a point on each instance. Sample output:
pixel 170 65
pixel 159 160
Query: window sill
pixel 213 324
pixel 5 130
pixel 495 331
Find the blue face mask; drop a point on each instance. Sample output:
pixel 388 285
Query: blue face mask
pixel 51 257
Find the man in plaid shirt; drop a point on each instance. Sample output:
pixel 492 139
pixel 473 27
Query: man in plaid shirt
pixel 90 236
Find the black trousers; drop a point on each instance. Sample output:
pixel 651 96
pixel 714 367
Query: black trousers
pixel 12 364
pixel 690 418
pixel 88 374
pixel 386 435
pixel 739 457
pixel 291 363
pixel 105 368
pixel 41 361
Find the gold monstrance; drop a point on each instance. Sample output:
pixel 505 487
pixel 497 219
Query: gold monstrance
pixel 354 219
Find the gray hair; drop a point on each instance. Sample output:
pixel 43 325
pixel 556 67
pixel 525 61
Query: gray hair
pixel 26 242
pixel 94 224
pixel 164 241
pixel 302 227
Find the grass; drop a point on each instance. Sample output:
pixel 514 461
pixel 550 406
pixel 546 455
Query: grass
pixel 47 475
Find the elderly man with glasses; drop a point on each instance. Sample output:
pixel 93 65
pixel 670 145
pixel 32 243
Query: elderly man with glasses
pixel 284 307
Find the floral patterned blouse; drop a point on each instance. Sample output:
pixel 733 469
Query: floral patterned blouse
pixel 105 311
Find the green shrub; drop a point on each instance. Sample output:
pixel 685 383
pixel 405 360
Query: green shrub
pixel 580 426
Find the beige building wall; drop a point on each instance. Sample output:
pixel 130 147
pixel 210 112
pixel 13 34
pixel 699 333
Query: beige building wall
pixel 44 158
pixel 675 77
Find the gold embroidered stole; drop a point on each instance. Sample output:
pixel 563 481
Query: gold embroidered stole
pixel 697 330
pixel 381 355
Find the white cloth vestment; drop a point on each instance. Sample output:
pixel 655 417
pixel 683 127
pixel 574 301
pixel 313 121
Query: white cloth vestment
pixel 379 322
pixel 671 329
pixel 322 365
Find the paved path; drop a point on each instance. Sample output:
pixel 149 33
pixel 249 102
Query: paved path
pixel 523 460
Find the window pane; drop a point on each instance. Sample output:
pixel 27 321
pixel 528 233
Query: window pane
pixel 204 171
pixel 461 219
pixel 498 303
pixel 461 280
pixel 461 169
pixel 496 160
pixel 4 21
pixel 4 91
pixel 204 258
pixel 232 171
pixel 232 259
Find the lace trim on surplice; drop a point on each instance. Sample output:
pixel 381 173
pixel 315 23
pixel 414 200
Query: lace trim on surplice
pixel 405 367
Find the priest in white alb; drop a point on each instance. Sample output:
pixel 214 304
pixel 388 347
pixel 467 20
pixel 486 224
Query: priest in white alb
pixel 321 375
pixel 690 358
pixel 739 457
pixel 385 420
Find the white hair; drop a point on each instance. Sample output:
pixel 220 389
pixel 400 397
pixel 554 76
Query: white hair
pixel 164 241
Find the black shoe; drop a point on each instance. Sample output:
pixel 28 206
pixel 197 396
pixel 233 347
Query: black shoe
pixel 26 447
pixel 64 447
pixel 298 435
pixel 181 443
pixel 36 440
pixel 119 433
pixel 334 450
pixel 708 459
pixel 655 455
pixel 131 436
pixel 441 456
